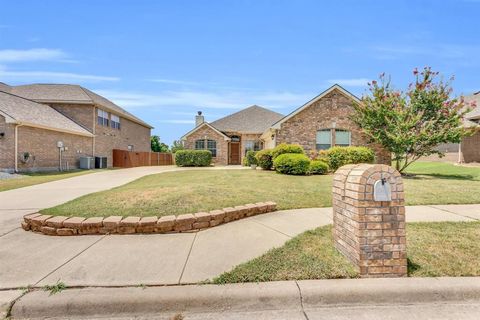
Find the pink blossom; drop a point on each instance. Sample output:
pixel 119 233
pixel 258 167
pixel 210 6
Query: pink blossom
pixel 374 82
pixel 415 71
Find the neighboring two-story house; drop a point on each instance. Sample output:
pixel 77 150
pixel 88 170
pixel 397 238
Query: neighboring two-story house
pixel 50 126
pixel 319 124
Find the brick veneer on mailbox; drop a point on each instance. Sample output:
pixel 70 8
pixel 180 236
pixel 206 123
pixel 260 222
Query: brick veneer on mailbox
pixel 371 234
pixel 64 226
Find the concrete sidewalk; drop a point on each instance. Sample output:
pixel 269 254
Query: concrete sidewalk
pixel 422 298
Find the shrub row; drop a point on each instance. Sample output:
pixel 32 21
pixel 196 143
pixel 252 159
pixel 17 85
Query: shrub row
pixel 250 158
pixel 193 158
pixel 337 157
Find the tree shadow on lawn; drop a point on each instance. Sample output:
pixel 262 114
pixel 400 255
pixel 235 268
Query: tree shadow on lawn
pixel 427 176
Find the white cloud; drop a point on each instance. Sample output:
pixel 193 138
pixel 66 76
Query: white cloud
pixel 206 100
pixel 354 82
pixel 38 54
pixel 448 51
pixel 47 76
pixel 171 81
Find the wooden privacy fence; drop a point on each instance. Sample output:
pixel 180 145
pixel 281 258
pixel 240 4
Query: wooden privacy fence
pixel 129 159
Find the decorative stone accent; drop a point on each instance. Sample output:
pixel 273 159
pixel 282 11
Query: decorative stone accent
pixel 63 226
pixel 369 230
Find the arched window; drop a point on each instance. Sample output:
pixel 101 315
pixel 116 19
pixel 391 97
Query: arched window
pixel 324 139
pixel 212 146
pixel 200 144
pixel 342 138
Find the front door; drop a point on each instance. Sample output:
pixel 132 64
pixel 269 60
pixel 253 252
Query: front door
pixel 234 157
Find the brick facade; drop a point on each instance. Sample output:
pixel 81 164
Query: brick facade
pixel 471 148
pixel 331 111
pixel 7 145
pixel 371 234
pixel 41 144
pixel 207 133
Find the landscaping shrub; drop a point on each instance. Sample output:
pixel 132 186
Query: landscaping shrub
pixel 250 158
pixel 318 167
pixel 286 148
pixel 264 159
pixel 339 156
pixel 193 158
pixel 292 163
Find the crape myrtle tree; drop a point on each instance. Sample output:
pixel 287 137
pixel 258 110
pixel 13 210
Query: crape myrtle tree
pixel 411 124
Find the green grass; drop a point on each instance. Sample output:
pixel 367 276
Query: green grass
pixel 433 250
pixel 192 191
pixel 31 179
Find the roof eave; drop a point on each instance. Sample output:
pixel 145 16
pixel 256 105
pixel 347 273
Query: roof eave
pixel 39 126
pixel 225 137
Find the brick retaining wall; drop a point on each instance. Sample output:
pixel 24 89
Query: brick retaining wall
pixel 71 226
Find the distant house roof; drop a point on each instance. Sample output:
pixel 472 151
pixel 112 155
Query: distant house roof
pixel 278 124
pixel 254 119
pixel 475 113
pixel 29 113
pixel 68 93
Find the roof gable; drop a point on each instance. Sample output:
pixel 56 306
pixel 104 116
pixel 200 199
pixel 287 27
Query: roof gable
pixel 203 125
pixel 254 119
pixel 278 124
pixel 29 113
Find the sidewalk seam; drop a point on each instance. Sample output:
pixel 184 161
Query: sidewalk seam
pixel 301 300
pixel 8 232
pixel 82 251
pixel 188 257
pixel 457 214
pixel 268 227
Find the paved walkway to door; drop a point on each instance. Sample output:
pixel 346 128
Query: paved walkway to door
pixel 115 260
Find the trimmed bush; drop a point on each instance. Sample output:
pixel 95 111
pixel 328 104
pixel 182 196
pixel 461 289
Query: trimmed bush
pixel 292 163
pixel 286 148
pixel 264 159
pixel 318 167
pixel 193 158
pixel 249 158
pixel 339 156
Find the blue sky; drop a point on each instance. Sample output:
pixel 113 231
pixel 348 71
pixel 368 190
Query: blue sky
pixel 164 60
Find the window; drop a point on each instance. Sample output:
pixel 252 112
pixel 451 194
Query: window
pixel 200 144
pixel 102 117
pixel 253 145
pixel 324 139
pixel 115 121
pixel 342 138
pixel 212 146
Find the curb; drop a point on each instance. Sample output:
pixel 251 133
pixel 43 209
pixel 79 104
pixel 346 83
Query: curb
pixel 283 295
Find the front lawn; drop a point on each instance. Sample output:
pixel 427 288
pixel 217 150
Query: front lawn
pixel 434 250
pixel 192 191
pixel 30 179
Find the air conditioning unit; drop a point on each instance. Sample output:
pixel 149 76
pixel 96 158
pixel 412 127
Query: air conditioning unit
pixel 87 163
pixel 100 162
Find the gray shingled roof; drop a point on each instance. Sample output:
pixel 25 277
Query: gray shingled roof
pixel 475 113
pixel 23 111
pixel 70 93
pixel 254 119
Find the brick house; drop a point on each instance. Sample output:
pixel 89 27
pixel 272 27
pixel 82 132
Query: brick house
pixel 319 124
pixel 35 120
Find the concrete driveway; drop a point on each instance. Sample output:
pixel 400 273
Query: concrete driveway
pixel 115 260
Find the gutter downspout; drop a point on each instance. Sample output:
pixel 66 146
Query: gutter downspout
pixel 16 147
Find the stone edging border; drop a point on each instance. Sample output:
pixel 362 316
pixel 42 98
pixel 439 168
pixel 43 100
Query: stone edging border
pixel 72 226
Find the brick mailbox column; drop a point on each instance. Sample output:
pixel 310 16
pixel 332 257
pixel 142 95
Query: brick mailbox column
pixel 369 219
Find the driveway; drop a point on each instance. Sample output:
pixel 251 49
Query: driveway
pixel 117 260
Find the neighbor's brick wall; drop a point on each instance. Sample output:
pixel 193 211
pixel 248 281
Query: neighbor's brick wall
pixel 371 234
pixel 471 148
pixel 42 145
pixel 130 133
pixel 207 133
pixel 7 146
pixel 83 114
pixel 334 107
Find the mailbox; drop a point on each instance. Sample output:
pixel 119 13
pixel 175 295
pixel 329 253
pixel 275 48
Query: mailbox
pixel 382 190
